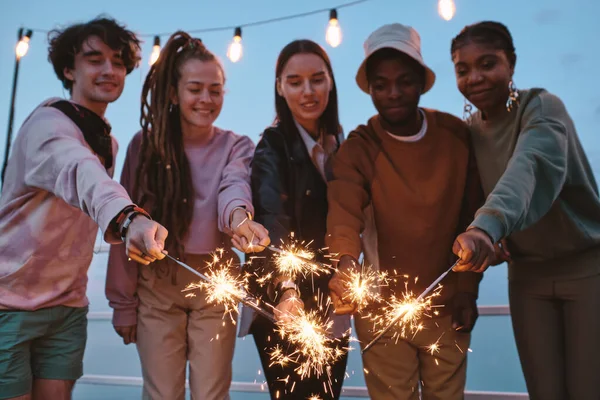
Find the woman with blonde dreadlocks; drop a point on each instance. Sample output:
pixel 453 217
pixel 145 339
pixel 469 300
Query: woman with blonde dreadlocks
pixel 194 179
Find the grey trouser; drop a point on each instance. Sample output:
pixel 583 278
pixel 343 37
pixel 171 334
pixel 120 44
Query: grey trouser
pixel 557 331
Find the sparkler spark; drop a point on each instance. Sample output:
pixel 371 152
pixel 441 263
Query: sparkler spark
pixel 223 285
pixel 295 260
pixel 362 286
pixel 313 350
pixel 402 310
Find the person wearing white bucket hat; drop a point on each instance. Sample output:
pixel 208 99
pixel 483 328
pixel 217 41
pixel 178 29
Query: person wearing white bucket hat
pixel 398 37
pixel 414 169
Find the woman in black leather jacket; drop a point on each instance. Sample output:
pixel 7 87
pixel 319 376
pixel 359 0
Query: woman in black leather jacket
pixel 289 185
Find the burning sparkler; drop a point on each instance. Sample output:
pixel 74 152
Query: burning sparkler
pixel 222 287
pixel 314 349
pixel 362 286
pixel 295 260
pixel 408 310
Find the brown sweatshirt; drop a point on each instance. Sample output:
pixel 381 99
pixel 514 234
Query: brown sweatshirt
pixel 423 194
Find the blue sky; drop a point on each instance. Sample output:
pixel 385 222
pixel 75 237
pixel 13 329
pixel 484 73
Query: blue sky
pixel 557 46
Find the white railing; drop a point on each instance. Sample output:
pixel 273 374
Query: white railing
pixel 249 387
pixel 483 310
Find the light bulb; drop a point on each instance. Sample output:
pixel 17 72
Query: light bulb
pixel 446 9
pixel 23 44
pixel 235 51
pixel 333 36
pixel 22 47
pixel 155 51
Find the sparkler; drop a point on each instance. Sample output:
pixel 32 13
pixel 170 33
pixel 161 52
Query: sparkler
pixel 314 348
pixel 409 310
pixel 222 288
pixel 291 261
pixel 362 285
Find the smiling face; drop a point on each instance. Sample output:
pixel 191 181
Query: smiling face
pixel 395 83
pixel 199 94
pixel 305 85
pixel 98 75
pixel 483 74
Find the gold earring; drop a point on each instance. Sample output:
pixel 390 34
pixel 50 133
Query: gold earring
pixel 467 108
pixel 513 96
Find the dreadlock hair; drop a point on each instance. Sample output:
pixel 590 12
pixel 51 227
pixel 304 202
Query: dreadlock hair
pixel 329 121
pixel 66 43
pixel 490 33
pixel 163 176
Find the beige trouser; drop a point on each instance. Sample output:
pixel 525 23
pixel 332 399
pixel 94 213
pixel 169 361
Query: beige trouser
pixel 393 368
pixel 174 329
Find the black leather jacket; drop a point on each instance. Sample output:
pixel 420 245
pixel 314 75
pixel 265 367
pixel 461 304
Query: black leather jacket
pixel 290 196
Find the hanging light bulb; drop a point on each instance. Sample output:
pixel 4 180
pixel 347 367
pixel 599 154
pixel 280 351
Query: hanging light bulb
pixel 446 9
pixel 23 45
pixel 334 32
pixel 235 51
pixel 155 51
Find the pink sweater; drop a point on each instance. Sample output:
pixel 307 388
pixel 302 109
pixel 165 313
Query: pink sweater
pixel 56 194
pixel 221 178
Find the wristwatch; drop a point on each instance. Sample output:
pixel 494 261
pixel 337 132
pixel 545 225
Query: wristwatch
pixel 283 287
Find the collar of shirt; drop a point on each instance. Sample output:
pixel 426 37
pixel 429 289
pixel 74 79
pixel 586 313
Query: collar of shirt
pixel 315 150
pixel 414 138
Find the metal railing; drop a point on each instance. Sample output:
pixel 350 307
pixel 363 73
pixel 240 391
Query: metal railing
pixel 249 387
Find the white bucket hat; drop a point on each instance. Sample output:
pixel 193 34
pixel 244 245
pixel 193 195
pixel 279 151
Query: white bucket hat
pixel 394 36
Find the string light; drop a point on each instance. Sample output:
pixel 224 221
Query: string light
pixel 235 51
pixel 333 35
pixel 23 44
pixel 334 32
pixel 446 9
pixel 155 50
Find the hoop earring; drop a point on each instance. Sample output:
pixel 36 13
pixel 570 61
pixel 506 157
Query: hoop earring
pixel 467 108
pixel 513 96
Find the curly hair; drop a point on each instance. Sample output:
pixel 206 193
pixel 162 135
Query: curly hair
pixel 66 43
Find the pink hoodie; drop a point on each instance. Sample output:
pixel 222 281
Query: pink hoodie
pixel 56 193
pixel 221 177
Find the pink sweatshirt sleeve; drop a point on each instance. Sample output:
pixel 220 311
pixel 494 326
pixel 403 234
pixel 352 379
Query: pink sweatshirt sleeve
pixel 122 274
pixel 57 161
pixel 234 189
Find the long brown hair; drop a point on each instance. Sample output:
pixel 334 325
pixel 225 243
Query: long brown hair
pixel 329 121
pixel 163 176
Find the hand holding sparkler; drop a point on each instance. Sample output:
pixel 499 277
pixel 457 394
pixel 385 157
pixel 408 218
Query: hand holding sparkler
pixel 289 306
pixel 340 283
pixel 475 250
pixel 247 234
pixel 145 240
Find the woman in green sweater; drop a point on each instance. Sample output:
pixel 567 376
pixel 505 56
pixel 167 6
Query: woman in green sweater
pixel 542 203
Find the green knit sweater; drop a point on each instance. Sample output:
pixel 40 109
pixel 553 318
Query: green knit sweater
pixel 541 192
